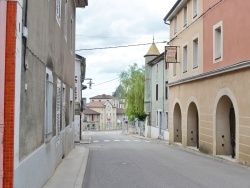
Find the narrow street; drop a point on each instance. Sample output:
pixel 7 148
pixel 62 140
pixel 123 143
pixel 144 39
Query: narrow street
pixel 117 160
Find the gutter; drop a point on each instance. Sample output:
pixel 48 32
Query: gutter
pixel 24 38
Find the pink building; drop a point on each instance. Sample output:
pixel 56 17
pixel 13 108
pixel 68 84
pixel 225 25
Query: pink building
pixel 209 104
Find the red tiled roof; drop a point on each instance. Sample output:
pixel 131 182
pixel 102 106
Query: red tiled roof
pixel 103 96
pixel 95 104
pixel 88 111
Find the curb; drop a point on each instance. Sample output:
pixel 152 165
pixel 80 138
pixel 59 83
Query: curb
pixel 81 173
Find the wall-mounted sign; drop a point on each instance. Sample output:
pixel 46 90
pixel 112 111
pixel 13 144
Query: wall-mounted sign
pixel 171 54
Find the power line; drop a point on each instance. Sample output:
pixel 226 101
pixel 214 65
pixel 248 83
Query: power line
pixel 112 37
pixel 125 46
pixel 105 82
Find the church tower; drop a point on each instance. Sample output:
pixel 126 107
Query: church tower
pixel 152 53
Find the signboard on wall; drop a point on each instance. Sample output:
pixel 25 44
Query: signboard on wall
pixel 171 54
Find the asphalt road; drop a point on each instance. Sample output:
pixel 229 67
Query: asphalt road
pixel 121 161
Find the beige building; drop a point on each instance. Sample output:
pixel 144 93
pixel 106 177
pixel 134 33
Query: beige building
pixel 107 114
pixel 91 119
pixel 209 106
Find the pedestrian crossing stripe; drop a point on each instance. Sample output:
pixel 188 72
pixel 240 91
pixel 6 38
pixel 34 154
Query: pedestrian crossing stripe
pixel 147 141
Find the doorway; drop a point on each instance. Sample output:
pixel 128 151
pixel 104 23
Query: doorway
pixel 177 124
pixel 193 126
pixel 225 127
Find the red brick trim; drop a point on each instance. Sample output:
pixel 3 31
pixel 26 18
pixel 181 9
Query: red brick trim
pixel 9 102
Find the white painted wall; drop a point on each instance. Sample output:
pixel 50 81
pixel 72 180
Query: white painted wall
pixel 18 70
pixel 37 168
pixel 77 128
pixel 154 132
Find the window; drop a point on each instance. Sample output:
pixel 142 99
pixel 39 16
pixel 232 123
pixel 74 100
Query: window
pixel 166 90
pixel 184 16
pixel 71 110
pixel 175 25
pixel 58 107
pixel 195 53
pixel 195 8
pixel 58 11
pixel 63 107
pixel 49 106
pixel 218 41
pixel 174 69
pixel 66 20
pixel 157 92
pixel 166 120
pixel 185 59
pixel 166 65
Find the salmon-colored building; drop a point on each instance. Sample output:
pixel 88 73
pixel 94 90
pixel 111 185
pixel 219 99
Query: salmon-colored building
pixel 209 103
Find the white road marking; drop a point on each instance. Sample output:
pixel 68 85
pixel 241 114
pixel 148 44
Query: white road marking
pixel 116 140
pixel 95 140
pixel 126 140
pixel 147 141
pixel 136 140
pixel 106 140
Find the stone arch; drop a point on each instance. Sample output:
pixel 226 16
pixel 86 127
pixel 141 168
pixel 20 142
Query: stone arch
pixel 192 123
pixel 177 123
pixel 225 123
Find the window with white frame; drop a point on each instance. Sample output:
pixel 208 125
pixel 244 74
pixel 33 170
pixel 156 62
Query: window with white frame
pixel 49 106
pixel 185 16
pixel 166 90
pixel 71 110
pixel 166 120
pixel 218 41
pixel 58 107
pixel 66 20
pixel 195 53
pixel 58 11
pixel 185 59
pixel 195 8
pixel 175 25
pixel 156 92
pixel 63 106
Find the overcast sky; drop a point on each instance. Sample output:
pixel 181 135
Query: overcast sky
pixel 105 23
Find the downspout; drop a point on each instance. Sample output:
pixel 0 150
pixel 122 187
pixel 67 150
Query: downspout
pixel 3 14
pixel 164 92
pixel 24 38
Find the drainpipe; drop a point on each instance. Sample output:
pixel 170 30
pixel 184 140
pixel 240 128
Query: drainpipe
pixel 25 37
pixel 3 14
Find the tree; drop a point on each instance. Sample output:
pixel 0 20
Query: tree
pixel 132 82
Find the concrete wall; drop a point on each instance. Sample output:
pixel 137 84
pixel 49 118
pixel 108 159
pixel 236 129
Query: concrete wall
pixel 40 165
pixel 185 36
pixel 46 47
pixel 206 94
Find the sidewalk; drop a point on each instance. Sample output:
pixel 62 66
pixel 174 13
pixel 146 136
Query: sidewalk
pixel 70 173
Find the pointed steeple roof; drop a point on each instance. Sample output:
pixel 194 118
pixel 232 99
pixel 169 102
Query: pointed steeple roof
pixel 153 50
